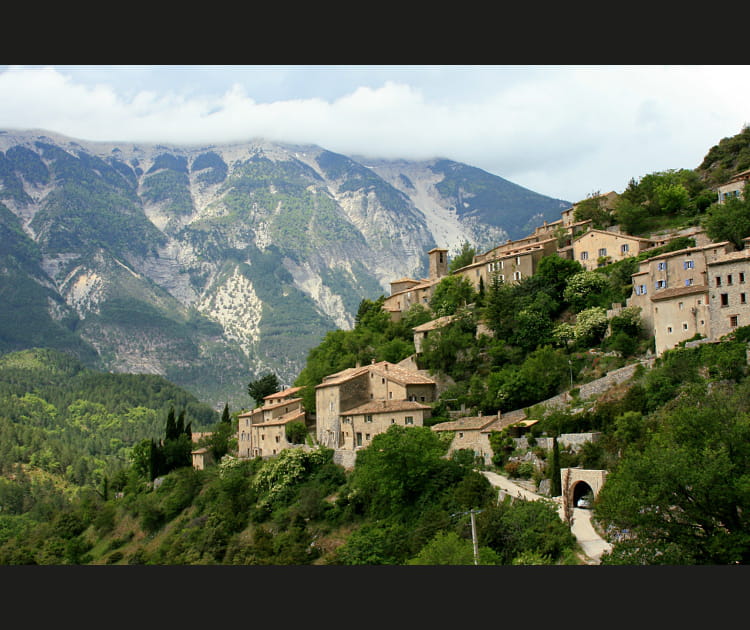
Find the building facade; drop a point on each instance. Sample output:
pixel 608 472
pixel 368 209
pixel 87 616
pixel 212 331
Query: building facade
pixel 346 395
pixel 262 431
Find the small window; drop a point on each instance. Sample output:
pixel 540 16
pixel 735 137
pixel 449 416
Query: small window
pixel 743 299
pixel 729 279
pixel 584 255
pixel 684 326
pixel 669 329
pixel 733 321
pixel 602 251
pixel 460 434
pixel 688 282
pixel 718 281
pixel 624 248
pixel 742 277
pixel 725 299
pixel 409 420
pixel 689 264
pixel 368 418
pixel 681 305
pixel 661 266
pixel 661 284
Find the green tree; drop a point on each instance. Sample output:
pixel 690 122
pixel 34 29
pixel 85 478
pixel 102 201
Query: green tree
pixel 264 386
pixel 448 548
pixel 451 293
pixel 379 478
pixel 729 221
pixel 463 258
pixel 684 496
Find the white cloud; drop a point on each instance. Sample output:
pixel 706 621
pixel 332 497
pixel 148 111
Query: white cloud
pixel 560 131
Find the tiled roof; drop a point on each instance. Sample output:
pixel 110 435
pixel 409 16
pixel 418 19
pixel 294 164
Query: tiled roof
pixel 485 424
pixel 679 291
pixel 433 324
pixel 260 410
pixel 287 417
pixel 384 368
pixel 283 394
pixel 731 257
pixel 385 406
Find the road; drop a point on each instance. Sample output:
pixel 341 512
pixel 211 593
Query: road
pixel 591 543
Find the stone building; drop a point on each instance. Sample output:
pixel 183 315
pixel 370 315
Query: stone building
pixel 406 292
pixel 596 248
pixel 734 187
pixel 262 431
pixel 728 288
pixel 473 432
pixel 342 399
pixel 671 290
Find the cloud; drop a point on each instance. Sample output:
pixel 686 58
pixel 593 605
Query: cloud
pixel 561 131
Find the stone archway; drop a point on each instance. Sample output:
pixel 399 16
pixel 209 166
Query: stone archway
pixel 575 483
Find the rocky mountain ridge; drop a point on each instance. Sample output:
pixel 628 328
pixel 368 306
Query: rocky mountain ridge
pixel 210 265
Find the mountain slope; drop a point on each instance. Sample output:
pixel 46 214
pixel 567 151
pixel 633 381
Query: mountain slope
pixel 211 265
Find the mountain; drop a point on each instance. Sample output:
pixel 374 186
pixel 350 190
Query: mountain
pixel 212 265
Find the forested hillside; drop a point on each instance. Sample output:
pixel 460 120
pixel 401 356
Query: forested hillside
pixel 82 485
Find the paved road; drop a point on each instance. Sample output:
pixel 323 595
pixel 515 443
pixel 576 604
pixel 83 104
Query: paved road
pixel 591 543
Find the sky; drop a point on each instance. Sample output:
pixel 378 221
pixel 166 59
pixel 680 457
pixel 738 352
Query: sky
pixel 566 132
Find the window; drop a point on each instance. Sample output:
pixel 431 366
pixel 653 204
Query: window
pixel 725 299
pixel 640 289
pixel 368 418
pixel 624 248
pixel 733 321
pixel 460 434
pixel 681 305
pixel 661 284
pixel 409 420
pixel 669 329
pixel 718 281
pixel 688 264
pixel 743 299
pixel 277 439
pixel 602 251
pixel 661 266
pixel 359 439
pixel 584 255
pixel 367 437
pixel 742 277
pixel 518 260
pixel 390 395
pixel 688 282
pixel 516 275
pixel 684 326
pixel 729 279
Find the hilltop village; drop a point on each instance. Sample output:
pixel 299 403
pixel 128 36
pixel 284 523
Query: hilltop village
pixel 694 292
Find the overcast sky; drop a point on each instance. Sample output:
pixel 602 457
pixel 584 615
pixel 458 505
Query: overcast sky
pixel 562 131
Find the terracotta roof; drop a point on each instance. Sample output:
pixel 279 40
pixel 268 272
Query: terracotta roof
pixel 730 257
pixel 283 394
pixel 385 406
pixel 485 424
pixel 617 234
pixel 287 417
pixel 679 291
pixel 384 368
pixel 686 250
pixel 433 324
pixel 260 410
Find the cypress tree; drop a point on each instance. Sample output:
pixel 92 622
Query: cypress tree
pixel 180 424
pixel 554 475
pixel 225 414
pixel 170 433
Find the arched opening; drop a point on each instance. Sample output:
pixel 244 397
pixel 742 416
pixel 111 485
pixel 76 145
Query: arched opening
pixel 581 490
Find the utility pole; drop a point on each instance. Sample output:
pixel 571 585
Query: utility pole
pixel 474 537
pixel 471 513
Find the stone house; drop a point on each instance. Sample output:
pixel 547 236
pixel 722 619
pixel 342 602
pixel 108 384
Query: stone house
pixel 422 331
pixel 734 187
pixel 406 292
pixel 262 431
pixel 342 403
pixel 729 289
pixel 202 457
pixel 671 290
pixel 360 424
pixel 511 262
pixel 596 248
pixel 473 432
